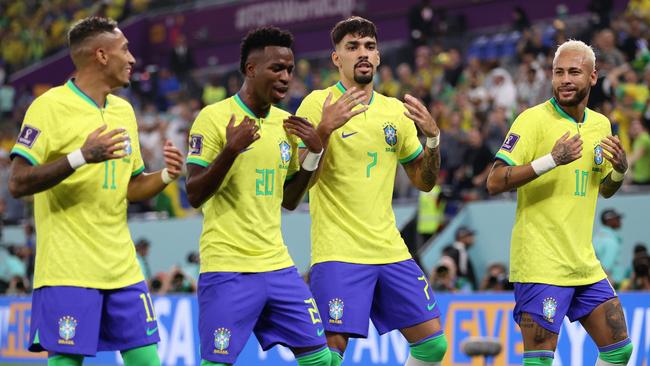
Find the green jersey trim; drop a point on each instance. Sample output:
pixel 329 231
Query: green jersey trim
pixel 411 157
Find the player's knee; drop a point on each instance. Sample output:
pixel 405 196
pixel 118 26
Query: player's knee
pixel 617 354
pixel 323 357
pixel 431 350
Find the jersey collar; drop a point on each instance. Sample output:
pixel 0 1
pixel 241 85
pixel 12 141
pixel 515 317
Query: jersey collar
pixel 564 114
pixel 342 89
pixel 70 84
pixel 247 110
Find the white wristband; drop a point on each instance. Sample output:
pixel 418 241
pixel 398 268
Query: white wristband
pixel 616 176
pixel 543 164
pixel 76 159
pixel 433 142
pixel 164 175
pixel 311 160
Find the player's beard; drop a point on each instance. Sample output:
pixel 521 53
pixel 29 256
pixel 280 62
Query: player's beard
pixel 363 79
pixel 578 97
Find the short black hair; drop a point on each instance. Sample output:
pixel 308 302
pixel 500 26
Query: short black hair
pixel 89 27
pixel 259 38
pixel 353 25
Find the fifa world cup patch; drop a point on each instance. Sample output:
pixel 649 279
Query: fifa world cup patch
pixel 67 330
pixel 28 136
pixel 221 341
pixel 510 142
pixel 196 145
pixel 549 307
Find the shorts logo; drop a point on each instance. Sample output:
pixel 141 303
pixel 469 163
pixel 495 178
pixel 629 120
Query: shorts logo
pixel 549 306
pixel 285 152
pixel 28 136
pixel 221 341
pixel 598 154
pixel 390 134
pixel 196 144
pixel 510 142
pixel 67 330
pixel 336 311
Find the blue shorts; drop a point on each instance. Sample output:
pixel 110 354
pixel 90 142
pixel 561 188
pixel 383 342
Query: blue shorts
pixel 84 321
pixel 548 304
pixel 277 306
pixel 394 296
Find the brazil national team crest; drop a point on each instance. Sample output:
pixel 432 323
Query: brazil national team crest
pixel 390 134
pixel 285 152
pixel 67 330
pixel 336 311
pixel 598 154
pixel 128 149
pixel 221 341
pixel 549 306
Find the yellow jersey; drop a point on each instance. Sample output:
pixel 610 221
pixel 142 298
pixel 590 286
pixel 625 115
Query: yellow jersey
pixel 552 235
pixel 241 225
pixel 82 235
pixel 351 203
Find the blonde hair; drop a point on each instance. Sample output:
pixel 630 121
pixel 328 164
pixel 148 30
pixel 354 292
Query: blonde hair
pixel 579 46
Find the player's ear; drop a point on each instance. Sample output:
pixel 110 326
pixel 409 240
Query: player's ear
pixel 101 56
pixel 335 59
pixel 249 68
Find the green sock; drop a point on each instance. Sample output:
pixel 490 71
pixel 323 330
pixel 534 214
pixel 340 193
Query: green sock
pixel 210 363
pixel 337 358
pixel 65 360
pixel 142 356
pixel 320 358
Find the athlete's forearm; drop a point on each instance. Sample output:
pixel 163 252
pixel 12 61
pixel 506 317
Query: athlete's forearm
pixel 204 182
pixel 608 187
pixel 25 179
pixel 429 169
pixel 295 189
pixel 505 178
pixel 144 186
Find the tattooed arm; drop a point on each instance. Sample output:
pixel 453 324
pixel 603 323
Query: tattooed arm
pixel 505 178
pixel 423 171
pixel 617 157
pixel 25 179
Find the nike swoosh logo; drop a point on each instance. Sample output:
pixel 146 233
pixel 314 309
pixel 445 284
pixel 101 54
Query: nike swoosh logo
pixel 151 331
pixel 320 332
pixel 246 149
pixel 343 135
pixel 431 306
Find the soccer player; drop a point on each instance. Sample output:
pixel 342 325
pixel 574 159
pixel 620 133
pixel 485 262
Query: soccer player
pixel 559 155
pixel 243 165
pixel 78 154
pixel 361 268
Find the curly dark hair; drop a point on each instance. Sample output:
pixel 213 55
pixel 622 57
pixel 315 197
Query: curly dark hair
pixel 359 26
pixel 262 37
pixel 89 27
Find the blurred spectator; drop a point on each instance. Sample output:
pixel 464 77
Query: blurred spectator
pixel 142 252
pixel 634 43
pixel 213 91
pixel 443 278
pixel 529 86
pixel 606 52
pixel 7 95
pixel 639 159
pixel 496 279
pixel 387 84
pixel 420 22
pixel 453 145
pixel 501 90
pixel 168 89
pixel 406 80
pixel 13 270
pixel 600 13
pixel 192 267
pixel 532 43
pixel 466 279
pixel 181 60
pixel 639 277
pixel 496 129
pixel 471 176
pixel 520 20
pixel 608 243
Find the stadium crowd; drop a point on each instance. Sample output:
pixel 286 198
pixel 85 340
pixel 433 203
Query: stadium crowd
pixel 473 93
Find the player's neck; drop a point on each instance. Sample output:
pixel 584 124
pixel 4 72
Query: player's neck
pixel 253 102
pixel 576 112
pixel 92 87
pixel 347 84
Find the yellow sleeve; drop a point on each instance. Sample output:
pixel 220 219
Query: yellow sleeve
pixel 408 142
pixel 294 164
pixel 607 166
pixel 34 142
pixel 205 140
pixel 519 145
pixel 137 166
